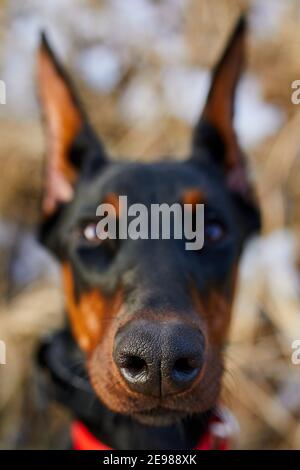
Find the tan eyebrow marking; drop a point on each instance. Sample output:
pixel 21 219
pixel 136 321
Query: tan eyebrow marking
pixel 193 197
pixel 113 200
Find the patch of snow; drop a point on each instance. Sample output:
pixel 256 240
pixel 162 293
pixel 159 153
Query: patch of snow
pixel 265 17
pixel 172 49
pixel 8 231
pixel 100 67
pixel 185 91
pixel 140 103
pixel 32 262
pixel 133 19
pixel 255 119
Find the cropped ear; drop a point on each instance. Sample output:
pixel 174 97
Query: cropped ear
pixel 72 146
pixel 214 131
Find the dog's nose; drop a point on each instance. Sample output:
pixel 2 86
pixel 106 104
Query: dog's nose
pixel 159 359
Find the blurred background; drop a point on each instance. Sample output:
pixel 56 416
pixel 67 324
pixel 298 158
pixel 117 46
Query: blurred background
pixel 143 68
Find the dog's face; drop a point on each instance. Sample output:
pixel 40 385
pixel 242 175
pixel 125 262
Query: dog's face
pixel 151 316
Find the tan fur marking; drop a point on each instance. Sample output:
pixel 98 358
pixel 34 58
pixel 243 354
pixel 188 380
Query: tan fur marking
pixel 193 197
pixel 91 314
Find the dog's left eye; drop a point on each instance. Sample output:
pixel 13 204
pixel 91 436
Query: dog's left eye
pixel 88 233
pixel 214 231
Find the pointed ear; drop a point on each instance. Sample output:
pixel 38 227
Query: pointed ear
pixel 214 131
pixel 72 146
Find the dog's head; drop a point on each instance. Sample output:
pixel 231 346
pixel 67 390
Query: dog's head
pixel 151 316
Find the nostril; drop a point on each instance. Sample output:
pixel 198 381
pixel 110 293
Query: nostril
pixel 185 369
pixel 134 368
pixel 184 365
pixel 135 365
pixel 136 354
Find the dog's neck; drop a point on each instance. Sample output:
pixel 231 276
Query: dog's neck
pixel 124 433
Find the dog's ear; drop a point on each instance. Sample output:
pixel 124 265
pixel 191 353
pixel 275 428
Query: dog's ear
pixel 214 135
pixel 214 131
pixel 72 147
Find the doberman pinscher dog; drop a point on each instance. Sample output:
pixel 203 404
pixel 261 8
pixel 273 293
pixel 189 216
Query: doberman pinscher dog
pixel 150 317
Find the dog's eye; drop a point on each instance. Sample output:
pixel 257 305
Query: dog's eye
pixel 88 235
pixel 90 232
pixel 214 231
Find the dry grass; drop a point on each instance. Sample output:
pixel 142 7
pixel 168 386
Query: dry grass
pixel 261 385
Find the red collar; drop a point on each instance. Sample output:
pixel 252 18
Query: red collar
pixel 221 428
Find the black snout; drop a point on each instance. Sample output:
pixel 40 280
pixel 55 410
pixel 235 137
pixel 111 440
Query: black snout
pixel 159 359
